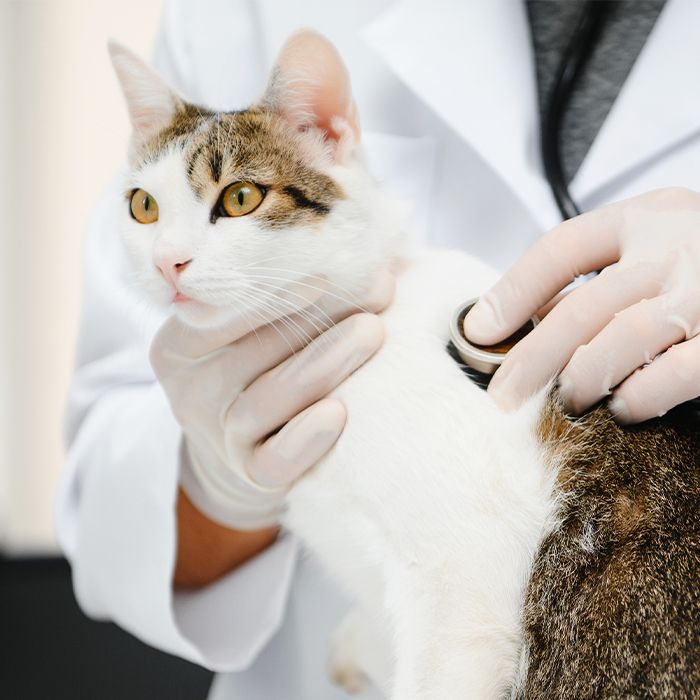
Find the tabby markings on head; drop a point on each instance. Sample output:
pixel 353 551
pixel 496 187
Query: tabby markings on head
pixel 251 145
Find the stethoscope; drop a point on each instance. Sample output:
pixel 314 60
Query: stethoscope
pixel 481 362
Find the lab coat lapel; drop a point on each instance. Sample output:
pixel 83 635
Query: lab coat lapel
pixel 657 108
pixel 472 63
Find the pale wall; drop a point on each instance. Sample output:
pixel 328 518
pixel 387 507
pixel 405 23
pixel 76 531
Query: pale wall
pixel 63 130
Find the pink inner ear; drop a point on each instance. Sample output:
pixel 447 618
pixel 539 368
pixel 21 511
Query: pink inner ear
pixel 333 98
pixel 311 86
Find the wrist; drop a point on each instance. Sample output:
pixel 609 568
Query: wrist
pixel 206 550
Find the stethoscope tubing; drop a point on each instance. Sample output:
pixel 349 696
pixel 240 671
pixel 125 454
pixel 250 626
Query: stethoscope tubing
pixel 480 363
pixel 574 59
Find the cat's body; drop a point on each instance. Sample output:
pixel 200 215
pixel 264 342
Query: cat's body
pixel 436 516
pixel 431 516
pixel 490 555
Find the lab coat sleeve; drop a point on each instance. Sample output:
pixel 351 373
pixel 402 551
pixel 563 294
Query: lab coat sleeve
pixel 116 517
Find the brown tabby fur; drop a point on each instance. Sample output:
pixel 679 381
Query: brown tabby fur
pixel 613 605
pixel 251 145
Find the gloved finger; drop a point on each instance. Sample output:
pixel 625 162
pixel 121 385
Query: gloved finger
pixel 281 393
pixel 632 339
pixel 283 458
pixel 672 378
pixel 546 308
pixel 268 346
pixel 583 244
pixel 174 341
pixel 580 316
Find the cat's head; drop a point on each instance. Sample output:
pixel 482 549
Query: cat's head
pixel 247 213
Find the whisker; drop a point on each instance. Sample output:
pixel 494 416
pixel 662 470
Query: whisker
pixel 278 331
pixel 284 317
pixel 296 273
pixel 252 327
pixel 343 299
pixel 307 304
pixel 284 308
pixel 305 315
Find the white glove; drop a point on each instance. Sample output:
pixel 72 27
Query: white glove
pixel 643 311
pixel 231 389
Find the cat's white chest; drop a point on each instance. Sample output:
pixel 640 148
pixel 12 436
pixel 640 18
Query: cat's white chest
pixel 407 509
pixel 403 420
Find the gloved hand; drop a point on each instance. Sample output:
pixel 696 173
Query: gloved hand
pixel 642 311
pixel 231 389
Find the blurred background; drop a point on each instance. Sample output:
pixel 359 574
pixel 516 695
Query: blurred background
pixel 64 130
pixel 63 133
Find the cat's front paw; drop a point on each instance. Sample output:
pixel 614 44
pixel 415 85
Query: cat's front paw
pixel 343 667
pixel 348 676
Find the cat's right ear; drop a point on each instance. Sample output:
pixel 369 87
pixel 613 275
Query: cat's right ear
pixel 310 87
pixel 151 103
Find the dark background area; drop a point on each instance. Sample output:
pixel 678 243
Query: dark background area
pixel 51 651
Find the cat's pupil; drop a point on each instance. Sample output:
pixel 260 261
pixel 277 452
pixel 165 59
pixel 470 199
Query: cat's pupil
pixel 146 203
pixel 241 197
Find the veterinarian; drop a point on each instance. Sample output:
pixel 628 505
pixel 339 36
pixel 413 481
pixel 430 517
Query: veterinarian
pixel 450 107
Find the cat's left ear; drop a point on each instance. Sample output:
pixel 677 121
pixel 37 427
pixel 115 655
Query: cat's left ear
pixel 151 103
pixel 310 87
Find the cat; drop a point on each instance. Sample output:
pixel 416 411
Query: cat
pixel 489 554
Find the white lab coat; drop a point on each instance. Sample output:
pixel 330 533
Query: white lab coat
pixel 448 103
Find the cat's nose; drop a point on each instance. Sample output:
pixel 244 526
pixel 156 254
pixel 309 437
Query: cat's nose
pixel 171 267
pixel 180 266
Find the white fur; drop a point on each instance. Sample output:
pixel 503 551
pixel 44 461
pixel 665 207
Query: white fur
pixel 429 509
pixel 431 506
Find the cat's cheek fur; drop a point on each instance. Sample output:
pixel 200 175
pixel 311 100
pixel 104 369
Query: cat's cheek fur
pixel 363 234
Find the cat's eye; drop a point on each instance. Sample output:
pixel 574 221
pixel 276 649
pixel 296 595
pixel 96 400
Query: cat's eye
pixel 144 207
pixel 240 198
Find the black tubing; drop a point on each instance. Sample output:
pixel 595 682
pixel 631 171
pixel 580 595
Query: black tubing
pixel 575 57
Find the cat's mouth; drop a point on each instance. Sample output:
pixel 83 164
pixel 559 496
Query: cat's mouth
pixel 262 303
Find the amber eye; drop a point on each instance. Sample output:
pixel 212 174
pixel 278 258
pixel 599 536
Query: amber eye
pixel 144 207
pixel 240 198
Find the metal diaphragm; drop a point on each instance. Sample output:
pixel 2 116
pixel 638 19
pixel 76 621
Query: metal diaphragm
pixel 483 358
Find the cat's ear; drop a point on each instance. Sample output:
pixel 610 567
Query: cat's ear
pixel 151 103
pixel 310 86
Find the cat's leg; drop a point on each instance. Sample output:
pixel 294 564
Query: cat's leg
pixel 361 651
pixel 452 644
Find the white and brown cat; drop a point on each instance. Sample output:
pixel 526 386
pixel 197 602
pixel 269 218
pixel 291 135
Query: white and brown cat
pixel 489 555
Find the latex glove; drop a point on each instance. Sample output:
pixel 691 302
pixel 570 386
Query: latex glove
pixel 631 331
pixel 231 389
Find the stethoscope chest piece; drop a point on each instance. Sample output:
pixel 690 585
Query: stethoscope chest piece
pixel 485 359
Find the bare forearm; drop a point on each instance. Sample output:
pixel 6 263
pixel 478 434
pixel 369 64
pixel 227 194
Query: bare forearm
pixel 206 550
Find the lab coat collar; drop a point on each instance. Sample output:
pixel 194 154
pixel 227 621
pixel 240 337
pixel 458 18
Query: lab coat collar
pixel 473 64
pixel 486 91
pixel 657 109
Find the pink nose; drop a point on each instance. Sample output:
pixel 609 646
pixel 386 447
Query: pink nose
pixel 170 267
